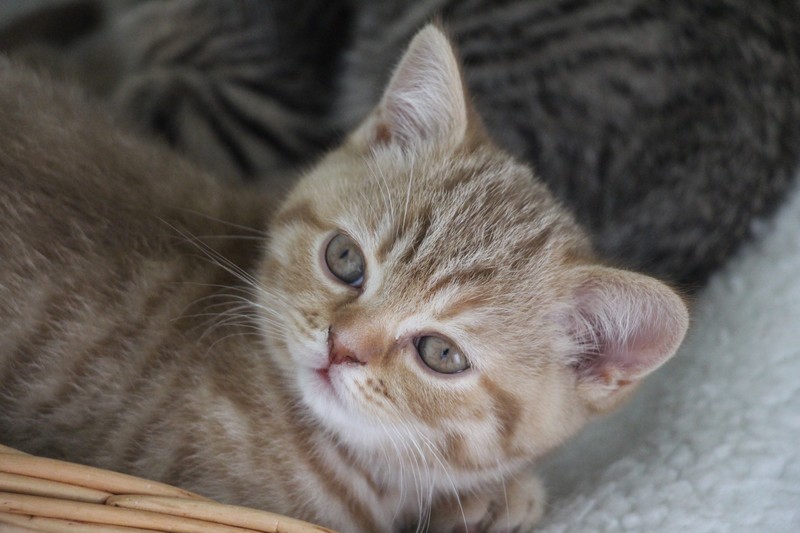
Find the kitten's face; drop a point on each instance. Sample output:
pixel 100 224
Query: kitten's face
pixel 432 294
pixel 445 299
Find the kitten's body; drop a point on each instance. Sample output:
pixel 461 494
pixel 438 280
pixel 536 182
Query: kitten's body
pixel 148 325
pixel 104 294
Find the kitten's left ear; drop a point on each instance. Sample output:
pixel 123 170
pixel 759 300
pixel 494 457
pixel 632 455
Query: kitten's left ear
pixel 623 326
pixel 425 100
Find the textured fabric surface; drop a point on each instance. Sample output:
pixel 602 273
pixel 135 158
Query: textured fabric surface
pixel 712 441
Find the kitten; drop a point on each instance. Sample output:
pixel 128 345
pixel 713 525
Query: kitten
pixel 420 322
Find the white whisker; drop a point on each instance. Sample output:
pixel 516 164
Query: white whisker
pixel 408 192
pixel 260 232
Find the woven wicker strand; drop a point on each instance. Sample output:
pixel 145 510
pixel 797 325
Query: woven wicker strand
pixel 104 514
pixel 52 489
pixel 6 449
pixel 87 476
pixel 46 495
pixel 217 512
pixel 36 524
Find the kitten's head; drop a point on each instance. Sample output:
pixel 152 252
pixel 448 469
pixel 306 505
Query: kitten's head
pixel 431 288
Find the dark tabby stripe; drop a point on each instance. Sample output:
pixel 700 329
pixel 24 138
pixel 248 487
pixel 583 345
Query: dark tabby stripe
pixel 25 359
pixel 250 125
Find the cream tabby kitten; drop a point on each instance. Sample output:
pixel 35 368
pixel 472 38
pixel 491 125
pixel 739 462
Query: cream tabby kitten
pixel 420 322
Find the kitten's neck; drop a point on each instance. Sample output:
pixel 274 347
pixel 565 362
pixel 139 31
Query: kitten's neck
pixel 404 459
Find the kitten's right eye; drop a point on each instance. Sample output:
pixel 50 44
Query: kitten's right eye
pixel 441 355
pixel 345 260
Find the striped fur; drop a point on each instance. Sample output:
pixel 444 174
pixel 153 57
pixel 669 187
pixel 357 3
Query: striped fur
pixel 239 86
pixel 150 325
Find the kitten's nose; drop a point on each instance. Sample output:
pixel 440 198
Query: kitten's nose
pixel 339 353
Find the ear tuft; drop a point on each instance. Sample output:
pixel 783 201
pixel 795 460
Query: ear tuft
pixel 425 98
pixel 623 326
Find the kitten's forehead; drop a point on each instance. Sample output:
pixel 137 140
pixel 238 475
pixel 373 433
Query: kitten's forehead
pixel 469 219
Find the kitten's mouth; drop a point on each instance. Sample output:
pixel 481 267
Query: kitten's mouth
pixel 327 385
pixel 324 375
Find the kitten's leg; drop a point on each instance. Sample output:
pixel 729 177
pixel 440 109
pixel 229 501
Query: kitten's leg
pixel 514 505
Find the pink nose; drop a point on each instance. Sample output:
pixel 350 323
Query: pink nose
pixel 339 354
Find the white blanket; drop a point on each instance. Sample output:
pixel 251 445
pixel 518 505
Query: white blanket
pixel 712 440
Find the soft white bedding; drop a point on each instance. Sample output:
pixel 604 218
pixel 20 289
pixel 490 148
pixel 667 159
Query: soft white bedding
pixel 712 441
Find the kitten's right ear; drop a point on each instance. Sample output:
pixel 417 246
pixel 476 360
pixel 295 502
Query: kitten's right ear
pixel 425 100
pixel 622 326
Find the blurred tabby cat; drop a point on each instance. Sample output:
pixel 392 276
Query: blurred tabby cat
pixel 666 126
pixel 240 85
pixel 418 324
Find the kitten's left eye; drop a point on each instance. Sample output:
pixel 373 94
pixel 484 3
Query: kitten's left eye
pixel 441 355
pixel 345 260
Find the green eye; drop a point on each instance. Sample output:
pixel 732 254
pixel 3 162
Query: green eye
pixel 345 260
pixel 441 355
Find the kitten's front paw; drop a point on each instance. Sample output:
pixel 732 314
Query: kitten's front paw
pixel 515 506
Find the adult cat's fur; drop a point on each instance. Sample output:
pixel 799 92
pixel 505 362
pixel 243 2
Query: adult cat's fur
pixel 145 328
pixel 666 126
pixel 239 86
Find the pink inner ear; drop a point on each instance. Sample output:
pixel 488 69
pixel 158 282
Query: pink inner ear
pixel 625 325
pixel 400 124
pixel 424 100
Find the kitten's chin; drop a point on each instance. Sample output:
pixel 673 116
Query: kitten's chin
pixel 324 393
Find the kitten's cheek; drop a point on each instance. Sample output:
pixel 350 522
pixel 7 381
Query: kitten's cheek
pixel 307 354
